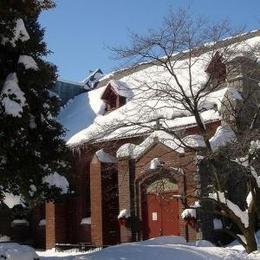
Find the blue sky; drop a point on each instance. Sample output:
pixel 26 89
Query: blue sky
pixel 79 32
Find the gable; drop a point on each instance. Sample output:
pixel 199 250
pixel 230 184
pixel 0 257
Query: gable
pixel 158 150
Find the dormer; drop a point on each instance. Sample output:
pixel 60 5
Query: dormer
pixel 116 95
pixel 217 70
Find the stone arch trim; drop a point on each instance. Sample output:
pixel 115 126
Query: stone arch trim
pixel 147 179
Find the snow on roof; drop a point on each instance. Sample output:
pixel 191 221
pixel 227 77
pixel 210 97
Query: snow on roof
pixel 28 62
pixel 85 221
pixel 105 157
pixel 155 163
pixel 121 88
pixel 139 115
pixel 92 80
pixel 124 213
pixel 144 108
pixel 12 97
pixel 80 112
pixel 194 141
pixel 223 136
pixel 134 151
pixel 17 222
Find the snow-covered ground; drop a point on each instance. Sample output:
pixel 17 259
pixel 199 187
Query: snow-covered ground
pixel 162 247
pixel 170 247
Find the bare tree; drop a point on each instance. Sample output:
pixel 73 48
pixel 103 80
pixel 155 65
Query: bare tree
pixel 178 50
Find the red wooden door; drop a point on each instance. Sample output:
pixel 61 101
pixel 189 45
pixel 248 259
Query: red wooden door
pixel 160 215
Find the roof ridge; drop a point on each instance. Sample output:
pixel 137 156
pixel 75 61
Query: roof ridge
pixel 119 74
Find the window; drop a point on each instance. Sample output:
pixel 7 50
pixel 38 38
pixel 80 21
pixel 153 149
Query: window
pixel 112 99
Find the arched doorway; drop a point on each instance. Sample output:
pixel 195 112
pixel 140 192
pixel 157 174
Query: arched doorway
pixel 160 209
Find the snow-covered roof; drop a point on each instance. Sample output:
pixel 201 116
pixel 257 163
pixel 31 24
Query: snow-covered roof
pixel 121 88
pixel 144 110
pixel 134 151
pixel 105 157
pixel 80 112
pixel 92 80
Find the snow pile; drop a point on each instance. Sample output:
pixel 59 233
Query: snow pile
pixel 28 62
pixel 12 200
pixel 86 221
pixel 70 254
pixel 14 251
pixel 223 136
pixel 123 214
pixel 19 33
pixel 155 163
pixel 166 248
pixel 105 157
pixel 19 222
pixel 202 243
pixel 188 213
pixel 242 215
pixel 58 181
pixel 12 97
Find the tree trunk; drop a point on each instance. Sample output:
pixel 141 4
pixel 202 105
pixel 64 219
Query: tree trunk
pixel 251 244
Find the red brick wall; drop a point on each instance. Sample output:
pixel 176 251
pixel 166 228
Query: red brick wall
pixel 88 184
pixel 50 225
pixel 124 196
pixel 96 202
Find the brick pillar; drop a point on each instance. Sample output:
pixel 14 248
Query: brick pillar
pixel 96 202
pixel 124 197
pixel 50 225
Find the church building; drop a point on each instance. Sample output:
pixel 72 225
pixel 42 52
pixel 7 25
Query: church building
pixel 136 152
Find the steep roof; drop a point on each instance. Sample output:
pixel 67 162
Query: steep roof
pixel 143 110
